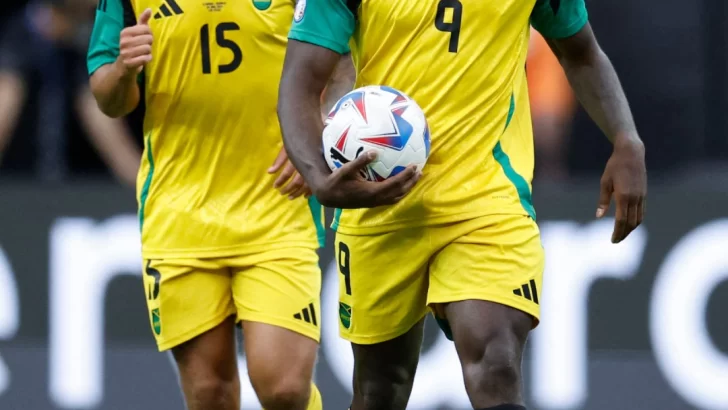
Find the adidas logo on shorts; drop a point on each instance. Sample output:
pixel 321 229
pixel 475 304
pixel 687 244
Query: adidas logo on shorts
pixel 528 291
pixel 307 314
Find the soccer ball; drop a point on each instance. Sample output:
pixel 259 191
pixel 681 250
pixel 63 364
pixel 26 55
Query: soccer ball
pixel 381 119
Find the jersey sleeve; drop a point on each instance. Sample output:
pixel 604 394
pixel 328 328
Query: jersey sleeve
pixel 559 18
pixel 104 44
pixel 325 23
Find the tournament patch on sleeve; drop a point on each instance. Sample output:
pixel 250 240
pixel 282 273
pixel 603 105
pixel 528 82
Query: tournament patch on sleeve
pixel 325 23
pixel 104 44
pixel 559 18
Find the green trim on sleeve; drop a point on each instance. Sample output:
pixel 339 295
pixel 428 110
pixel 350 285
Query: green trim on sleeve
pixel 325 23
pixel 104 44
pixel 559 18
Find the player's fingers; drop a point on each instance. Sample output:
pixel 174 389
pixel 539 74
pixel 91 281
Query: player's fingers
pixel 302 190
pixel 293 185
pixel 135 41
pixel 135 31
pixel 621 219
pixel 285 175
pixel 642 209
pixel 145 17
pixel 138 62
pixel 605 196
pixel 395 188
pixel 278 163
pixel 307 192
pixel 138 51
pixel 352 168
pixel 634 213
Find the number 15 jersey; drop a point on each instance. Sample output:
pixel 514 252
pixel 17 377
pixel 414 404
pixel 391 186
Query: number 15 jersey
pixel 210 129
pixel 463 61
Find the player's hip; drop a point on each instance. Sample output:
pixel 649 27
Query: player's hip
pixel 188 296
pixel 389 279
pixel 180 238
pixel 379 221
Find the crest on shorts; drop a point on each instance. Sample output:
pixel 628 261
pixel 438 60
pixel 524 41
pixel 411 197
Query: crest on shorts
pixel 156 322
pixel 262 4
pixel 345 314
pixel 300 11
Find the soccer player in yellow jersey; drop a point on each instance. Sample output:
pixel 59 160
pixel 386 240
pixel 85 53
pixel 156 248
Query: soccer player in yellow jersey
pixel 220 244
pixel 464 241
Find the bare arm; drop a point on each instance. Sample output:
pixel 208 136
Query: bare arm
pixel 12 95
pixel 111 139
pixel 115 85
pixel 306 72
pixel 289 181
pixel 115 89
pixel 596 85
pixel 340 83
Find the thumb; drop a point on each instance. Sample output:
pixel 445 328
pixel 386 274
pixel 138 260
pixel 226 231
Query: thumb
pixel 145 17
pixel 605 198
pixel 359 163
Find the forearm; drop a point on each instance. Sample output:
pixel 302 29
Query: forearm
pixel 306 72
pixel 597 87
pixel 341 82
pixel 111 139
pixel 12 96
pixel 116 92
pixel 302 127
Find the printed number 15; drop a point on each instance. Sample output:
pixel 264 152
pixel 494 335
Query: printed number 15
pixel 223 42
pixel 452 27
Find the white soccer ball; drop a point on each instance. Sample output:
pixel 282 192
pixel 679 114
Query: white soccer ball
pixel 381 119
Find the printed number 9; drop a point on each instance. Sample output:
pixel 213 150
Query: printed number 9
pixel 453 27
pixel 344 266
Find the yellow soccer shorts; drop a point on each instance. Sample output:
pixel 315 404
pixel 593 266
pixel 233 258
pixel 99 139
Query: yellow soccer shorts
pixel 388 281
pixel 187 297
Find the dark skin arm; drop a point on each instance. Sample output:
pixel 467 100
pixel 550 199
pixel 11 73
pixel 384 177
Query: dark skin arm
pixel 597 87
pixel 306 72
pixel 289 181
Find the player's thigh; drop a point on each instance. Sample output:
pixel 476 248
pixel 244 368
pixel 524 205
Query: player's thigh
pixel 382 284
pixel 281 288
pixel 384 373
pixel 280 361
pixel 207 365
pixel 500 259
pixel 186 298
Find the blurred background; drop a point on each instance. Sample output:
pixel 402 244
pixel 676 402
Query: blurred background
pixel 641 325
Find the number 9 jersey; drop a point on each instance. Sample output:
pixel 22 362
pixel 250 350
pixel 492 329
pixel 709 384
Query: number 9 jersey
pixel 210 129
pixel 463 61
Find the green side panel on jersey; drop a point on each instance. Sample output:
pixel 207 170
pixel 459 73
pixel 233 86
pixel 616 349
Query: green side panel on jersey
pixel 147 183
pixel 104 44
pixel 524 191
pixel 325 23
pixel 317 212
pixel 559 18
pixel 337 216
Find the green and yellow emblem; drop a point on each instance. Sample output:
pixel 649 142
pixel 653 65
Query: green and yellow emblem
pixel 156 322
pixel 262 4
pixel 345 314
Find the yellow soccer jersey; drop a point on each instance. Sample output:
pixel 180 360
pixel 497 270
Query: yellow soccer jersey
pixel 463 61
pixel 211 129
